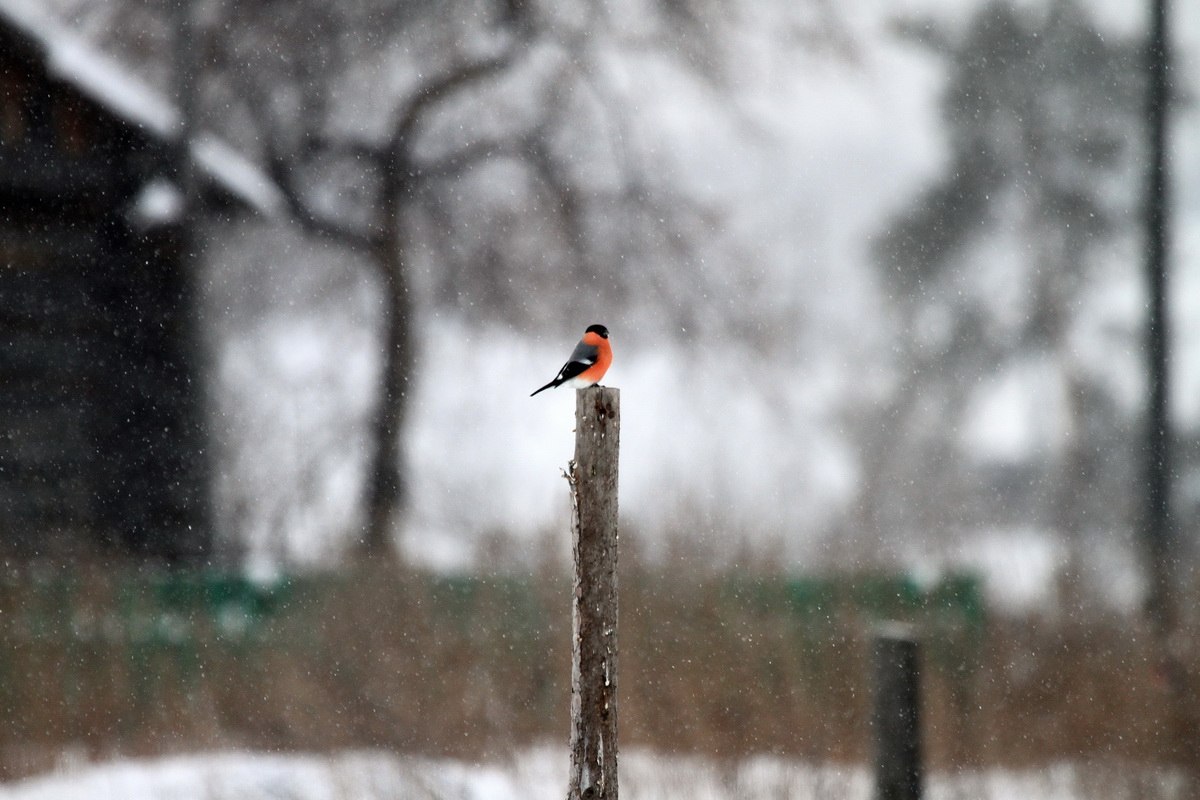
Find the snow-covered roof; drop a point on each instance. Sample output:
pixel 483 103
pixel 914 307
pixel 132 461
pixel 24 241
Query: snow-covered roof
pixel 229 168
pixel 71 59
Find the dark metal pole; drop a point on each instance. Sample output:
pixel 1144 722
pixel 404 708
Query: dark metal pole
pixel 194 541
pixel 895 718
pixel 1163 603
pixel 1157 531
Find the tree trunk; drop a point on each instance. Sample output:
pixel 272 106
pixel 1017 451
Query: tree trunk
pixel 387 490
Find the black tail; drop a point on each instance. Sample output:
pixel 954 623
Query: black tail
pixel 549 385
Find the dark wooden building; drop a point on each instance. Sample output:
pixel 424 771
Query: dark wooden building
pixel 102 425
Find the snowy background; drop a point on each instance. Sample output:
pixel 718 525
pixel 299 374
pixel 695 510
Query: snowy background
pixel 753 388
pixel 789 396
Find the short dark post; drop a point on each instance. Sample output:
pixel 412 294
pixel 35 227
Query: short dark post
pixel 593 478
pixel 894 657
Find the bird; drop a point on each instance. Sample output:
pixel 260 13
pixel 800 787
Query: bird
pixel 589 361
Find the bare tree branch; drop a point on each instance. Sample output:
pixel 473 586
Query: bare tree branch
pixel 568 201
pixel 283 174
pixel 463 160
pixel 410 113
pixel 374 154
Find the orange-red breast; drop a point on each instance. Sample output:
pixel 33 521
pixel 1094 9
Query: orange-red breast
pixel 588 362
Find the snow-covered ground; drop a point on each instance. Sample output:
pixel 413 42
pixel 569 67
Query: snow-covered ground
pixel 541 773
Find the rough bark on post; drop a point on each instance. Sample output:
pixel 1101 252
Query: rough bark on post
pixel 593 479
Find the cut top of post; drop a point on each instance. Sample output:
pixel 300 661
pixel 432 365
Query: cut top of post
pixel 603 403
pixel 597 425
pixel 895 630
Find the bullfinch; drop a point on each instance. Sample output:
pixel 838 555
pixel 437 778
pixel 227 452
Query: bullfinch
pixel 588 362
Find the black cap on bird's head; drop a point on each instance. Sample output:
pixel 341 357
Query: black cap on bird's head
pixel 599 330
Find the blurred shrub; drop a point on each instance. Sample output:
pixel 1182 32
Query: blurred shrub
pixel 106 660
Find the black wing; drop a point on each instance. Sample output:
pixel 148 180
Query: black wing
pixel 570 370
pixel 583 357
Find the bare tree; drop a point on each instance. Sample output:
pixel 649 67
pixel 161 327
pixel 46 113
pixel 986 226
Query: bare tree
pixel 380 175
pixel 499 88
pixel 401 132
pixel 1039 110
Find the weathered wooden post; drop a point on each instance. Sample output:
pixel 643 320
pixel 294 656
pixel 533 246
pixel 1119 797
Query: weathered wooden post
pixel 895 667
pixel 593 479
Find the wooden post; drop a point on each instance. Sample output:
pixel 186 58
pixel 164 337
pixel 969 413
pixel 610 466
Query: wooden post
pixel 593 479
pixel 898 774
